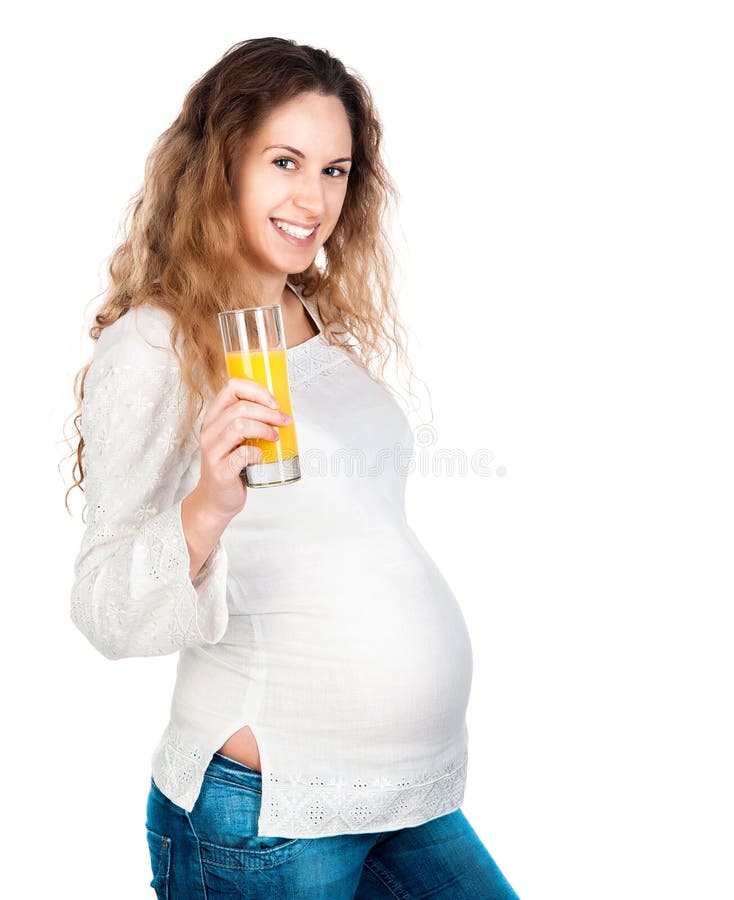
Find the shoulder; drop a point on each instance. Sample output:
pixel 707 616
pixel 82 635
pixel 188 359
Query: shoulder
pixel 134 357
pixel 134 379
pixel 141 338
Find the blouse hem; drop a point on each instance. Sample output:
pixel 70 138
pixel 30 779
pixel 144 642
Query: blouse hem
pixel 292 808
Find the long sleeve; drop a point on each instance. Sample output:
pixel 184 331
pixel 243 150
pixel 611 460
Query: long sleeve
pixel 132 595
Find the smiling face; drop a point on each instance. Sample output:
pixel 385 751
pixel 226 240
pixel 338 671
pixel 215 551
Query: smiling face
pixel 292 181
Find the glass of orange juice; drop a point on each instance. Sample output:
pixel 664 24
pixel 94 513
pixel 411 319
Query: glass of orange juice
pixel 254 347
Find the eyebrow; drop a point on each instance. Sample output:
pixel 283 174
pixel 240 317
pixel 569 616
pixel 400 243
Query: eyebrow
pixel 303 155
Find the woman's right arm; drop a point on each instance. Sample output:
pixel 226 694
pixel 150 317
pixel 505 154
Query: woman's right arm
pixel 146 581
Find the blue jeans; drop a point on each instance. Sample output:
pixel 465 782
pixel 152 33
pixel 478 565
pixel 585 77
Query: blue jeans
pixel 214 852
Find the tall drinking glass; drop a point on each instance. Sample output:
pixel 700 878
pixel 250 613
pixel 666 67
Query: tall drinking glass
pixel 254 347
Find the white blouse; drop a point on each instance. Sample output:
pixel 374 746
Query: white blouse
pixel 319 620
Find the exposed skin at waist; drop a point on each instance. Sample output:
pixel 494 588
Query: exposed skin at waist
pixel 242 747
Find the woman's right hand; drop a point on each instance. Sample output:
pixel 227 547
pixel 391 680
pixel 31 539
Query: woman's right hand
pixel 243 409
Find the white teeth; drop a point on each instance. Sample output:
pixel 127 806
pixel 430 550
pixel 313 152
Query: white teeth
pixel 294 229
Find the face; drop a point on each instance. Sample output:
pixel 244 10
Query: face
pixel 293 175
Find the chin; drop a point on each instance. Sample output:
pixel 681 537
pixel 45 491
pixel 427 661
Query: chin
pixel 298 263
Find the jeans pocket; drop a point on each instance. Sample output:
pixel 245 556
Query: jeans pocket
pixel 225 822
pixel 159 846
pixel 237 872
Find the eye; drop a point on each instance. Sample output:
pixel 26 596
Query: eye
pixel 336 169
pixel 283 159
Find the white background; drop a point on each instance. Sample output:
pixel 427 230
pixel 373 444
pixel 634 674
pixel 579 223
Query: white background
pixel 567 210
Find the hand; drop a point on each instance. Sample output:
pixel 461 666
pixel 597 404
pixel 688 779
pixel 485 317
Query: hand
pixel 242 409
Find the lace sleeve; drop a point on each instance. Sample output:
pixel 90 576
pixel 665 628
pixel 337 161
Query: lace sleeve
pixel 132 595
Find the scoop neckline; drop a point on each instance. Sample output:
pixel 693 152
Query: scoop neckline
pixel 303 343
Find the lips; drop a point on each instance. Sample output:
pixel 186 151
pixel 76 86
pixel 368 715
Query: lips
pixel 292 239
pixel 306 226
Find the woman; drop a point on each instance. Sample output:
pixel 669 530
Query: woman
pixel 317 741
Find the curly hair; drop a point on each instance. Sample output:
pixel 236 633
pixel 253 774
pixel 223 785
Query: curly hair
pixel 182 248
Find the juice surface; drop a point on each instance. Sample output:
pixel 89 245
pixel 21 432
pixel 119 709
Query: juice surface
pixel 268 368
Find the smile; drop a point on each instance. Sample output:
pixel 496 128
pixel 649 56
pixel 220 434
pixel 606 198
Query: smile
pixel 295 230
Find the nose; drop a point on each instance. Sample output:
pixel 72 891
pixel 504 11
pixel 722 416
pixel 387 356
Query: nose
pixel 310 195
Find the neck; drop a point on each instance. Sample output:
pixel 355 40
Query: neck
pixel 271 289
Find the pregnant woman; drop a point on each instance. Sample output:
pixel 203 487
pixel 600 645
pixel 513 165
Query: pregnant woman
pixel 317 745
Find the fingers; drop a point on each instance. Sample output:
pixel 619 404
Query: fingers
pixel 237 430
pixel 240 389
pixel 250 410
pixel 237 422
pixel 244 455
pixel 243 409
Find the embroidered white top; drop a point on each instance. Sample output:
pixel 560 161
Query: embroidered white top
pixel 319 619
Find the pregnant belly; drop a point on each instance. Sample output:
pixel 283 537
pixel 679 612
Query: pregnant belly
pixel 399 672
pixel 395 662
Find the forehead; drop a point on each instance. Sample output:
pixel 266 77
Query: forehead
pixel 311 122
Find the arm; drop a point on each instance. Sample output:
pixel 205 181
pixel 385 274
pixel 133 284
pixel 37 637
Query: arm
pixel 202 531
pixel 133 594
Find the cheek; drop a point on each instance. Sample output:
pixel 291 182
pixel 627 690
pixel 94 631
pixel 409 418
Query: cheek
pixel 247 218
pixel 260 193
pixel 336 201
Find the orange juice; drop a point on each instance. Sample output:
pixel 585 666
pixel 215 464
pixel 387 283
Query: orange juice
pixel 268 368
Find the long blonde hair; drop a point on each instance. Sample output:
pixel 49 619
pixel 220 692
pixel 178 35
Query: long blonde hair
pixel 182 248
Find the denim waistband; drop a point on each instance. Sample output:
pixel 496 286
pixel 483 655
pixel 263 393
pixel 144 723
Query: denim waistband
pixel 237 771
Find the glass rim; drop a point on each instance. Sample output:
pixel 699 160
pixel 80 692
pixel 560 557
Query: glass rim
pixel 229 312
